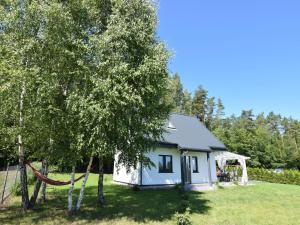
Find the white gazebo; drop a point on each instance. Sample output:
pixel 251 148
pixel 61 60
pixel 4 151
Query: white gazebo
pixel 223 157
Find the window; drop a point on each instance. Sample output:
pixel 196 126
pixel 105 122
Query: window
pixel 171 126
pixel 165 164
pixel 195 164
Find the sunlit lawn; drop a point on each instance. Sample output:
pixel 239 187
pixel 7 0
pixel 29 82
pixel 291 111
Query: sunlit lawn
pixel 263 203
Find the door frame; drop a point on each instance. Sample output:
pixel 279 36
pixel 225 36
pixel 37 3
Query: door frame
pixel 187 170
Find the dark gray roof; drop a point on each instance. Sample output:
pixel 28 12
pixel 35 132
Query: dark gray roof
pixel 189 133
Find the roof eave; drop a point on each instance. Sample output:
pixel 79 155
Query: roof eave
pixel 194 149
pixel 215 148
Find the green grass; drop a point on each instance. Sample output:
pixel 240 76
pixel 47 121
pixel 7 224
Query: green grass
pixel 1 179
pixel 263 203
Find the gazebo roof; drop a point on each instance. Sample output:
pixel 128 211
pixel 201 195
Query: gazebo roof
pixel 230 156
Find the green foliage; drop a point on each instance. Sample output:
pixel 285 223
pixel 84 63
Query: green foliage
pixel 185 196
pixel 187 103
pixel 183 219
pixel 136 188
pixel 184 201
pixel 177 186
pixel 287 177
pixel 94 82
pixel 270 141
pixel 210 112
pixel 179 99
pixel 200 103
pixel 31 178
pixel 184 204
pixel 16 189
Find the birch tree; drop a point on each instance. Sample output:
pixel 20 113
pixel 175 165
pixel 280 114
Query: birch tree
pixel 80 198
pixel 98 77
pixel 17 74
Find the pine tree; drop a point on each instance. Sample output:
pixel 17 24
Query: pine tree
pixel 199 105
pixel 176 96
pixel 187 103
pixel 210 112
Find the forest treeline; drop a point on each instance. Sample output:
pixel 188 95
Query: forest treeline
pixel 271 140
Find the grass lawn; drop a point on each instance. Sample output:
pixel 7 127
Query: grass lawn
pixel 263 203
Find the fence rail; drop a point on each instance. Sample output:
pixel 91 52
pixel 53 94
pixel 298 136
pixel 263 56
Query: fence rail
pixel 8 178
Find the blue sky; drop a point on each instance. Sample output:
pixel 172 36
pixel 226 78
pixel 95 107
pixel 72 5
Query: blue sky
pixel 245 52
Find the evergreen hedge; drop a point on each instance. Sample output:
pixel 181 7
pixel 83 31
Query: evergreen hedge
pixel 286 177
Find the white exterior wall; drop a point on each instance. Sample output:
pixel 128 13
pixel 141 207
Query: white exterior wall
pixel 153 177
pixel 121 175
pixel 202 175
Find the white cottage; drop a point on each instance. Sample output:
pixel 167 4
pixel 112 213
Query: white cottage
pixel 186 155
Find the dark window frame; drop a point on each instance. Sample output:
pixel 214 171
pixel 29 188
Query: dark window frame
pixel 196 164
pixel 164 169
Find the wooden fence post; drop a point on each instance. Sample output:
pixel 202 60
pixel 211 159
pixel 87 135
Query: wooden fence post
pixel 5 181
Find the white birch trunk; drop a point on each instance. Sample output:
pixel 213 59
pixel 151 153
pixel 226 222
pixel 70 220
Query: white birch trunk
pixel 71 189
pixel 44 185
pixel 100 198
pixel 22 166
pixel 81 194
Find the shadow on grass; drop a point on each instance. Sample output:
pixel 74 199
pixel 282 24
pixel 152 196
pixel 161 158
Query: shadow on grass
pixel 121 201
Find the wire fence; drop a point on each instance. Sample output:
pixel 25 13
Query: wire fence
pixel 9 177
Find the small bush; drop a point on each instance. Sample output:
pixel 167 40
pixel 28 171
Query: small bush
pixel 31 178
pixel 184 204
pixel 183 219
pixel 16 189
pixel 177 186
pixel 136 188
pixel 181 191
pixel 185 196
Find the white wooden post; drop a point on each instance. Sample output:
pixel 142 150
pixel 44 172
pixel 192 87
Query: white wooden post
pixel 245 175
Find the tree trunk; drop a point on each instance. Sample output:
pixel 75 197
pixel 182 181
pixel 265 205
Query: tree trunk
pixel 36 191
pixel 80 198
pixel 71 189
pixel 100 199
pixel 44 185
pixel 22 165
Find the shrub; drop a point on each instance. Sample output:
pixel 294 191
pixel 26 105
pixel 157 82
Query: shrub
pixel 16 189
pixel 183 219
pixel 177 186
pixel 136 188
pixel 31 178
pixel 185 196
pixel 184 204
pixel 287 177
